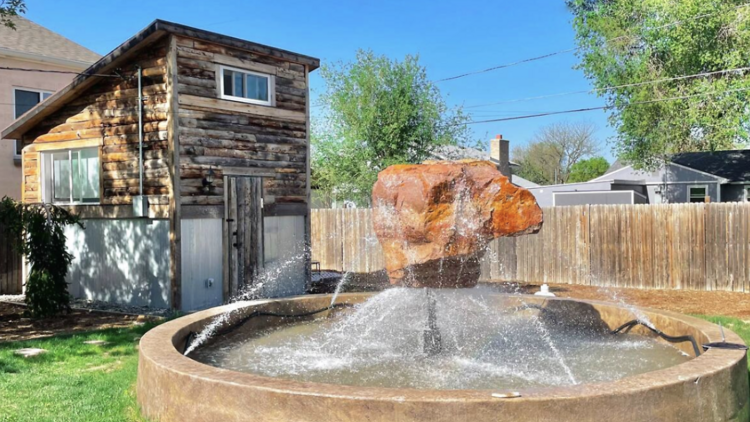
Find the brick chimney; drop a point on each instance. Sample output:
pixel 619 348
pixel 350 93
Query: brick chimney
pixel 500 153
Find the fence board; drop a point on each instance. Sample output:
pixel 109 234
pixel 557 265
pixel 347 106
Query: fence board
pixel 10 266
pixel 665 246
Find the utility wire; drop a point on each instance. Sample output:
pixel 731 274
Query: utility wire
pixel 503 66
pixel 67 72
pixel 579 110
pixel 609 88
pixel 544 56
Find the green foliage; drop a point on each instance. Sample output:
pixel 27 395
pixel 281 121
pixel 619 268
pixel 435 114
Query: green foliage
pixel 73 381
pixel 377 112
pixel 550 156
pixel 38 233
pixel 625 42
pixel 9 9
pixel 585 170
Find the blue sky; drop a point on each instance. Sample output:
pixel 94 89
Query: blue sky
pixel 451 37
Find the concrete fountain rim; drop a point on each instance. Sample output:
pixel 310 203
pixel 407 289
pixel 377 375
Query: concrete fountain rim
pixel 158 348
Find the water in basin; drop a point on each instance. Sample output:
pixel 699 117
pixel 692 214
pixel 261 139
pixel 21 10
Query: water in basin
pixel 488 342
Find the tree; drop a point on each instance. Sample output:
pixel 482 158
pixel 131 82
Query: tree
pixel 37 232
pixel 9 9
pixel 377 112
pixel 585 170
pixel 553 151
pixel 624 42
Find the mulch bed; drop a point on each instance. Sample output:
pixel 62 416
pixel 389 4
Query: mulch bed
pixel 682 301
pixel 14 326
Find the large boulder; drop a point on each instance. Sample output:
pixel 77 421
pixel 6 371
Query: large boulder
pixel 434 220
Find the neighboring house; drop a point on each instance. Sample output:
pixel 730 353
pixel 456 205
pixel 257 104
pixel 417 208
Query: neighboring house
pixel 31 46
pixel 721 176
pixel 499 154
pixel 219 194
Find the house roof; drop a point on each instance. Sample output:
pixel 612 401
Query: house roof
pixel 617 165
pixel 733 165
pixel 456 152
pixel 30 40
pixel 155 31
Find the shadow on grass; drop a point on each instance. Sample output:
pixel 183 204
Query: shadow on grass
pixel 120 342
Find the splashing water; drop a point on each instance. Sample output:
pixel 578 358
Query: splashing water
pixel 251 291
pixel 486 344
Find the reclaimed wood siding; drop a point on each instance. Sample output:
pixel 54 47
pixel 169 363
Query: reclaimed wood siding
pixel 108 113
pixel 668 246
pixel 10 266
pixel 268 141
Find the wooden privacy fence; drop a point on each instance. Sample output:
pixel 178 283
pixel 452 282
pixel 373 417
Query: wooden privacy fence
pixel 669 246
pixel 10 267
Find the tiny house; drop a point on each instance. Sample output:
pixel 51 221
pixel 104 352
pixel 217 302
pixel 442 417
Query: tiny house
pixel 186 154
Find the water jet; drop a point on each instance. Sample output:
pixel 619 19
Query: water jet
pixel 436 347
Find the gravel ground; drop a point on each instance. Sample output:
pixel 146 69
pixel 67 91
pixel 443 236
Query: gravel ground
pixel 96 305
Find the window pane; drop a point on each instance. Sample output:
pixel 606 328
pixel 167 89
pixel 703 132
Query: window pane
pixel 61 177
pixel 86 175
pixel 239 85
pixel 18 147
pixel 46 95
pixel 698 192
pixel 257 87
pixel 25 101
pixel 227 82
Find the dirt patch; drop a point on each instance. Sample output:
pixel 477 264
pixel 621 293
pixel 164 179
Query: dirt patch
pixel 14 326
pixel 682 301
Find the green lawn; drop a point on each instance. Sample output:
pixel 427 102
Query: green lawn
pixel 78 382
pixel 72 381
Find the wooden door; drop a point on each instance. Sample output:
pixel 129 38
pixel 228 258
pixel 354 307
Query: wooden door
pixel 244 229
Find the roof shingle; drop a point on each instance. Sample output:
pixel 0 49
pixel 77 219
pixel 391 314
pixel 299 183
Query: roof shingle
pixel 31 38
pixel 733 165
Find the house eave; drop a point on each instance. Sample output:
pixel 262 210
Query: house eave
pixel 39 58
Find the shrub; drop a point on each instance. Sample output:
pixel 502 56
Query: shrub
pixel 37 232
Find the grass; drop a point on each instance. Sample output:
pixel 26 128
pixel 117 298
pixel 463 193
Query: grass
pixel 73 381
pixel 740 327
pixel 77 382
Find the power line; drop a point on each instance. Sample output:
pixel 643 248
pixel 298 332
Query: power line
pixel 67 72
pixel 609 88
pixel 580 110
pixel 503 66
pixel 555 53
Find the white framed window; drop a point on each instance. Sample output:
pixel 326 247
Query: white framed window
pixel 71 176
pixel 246 86
pixel 24 99
pixel 697 193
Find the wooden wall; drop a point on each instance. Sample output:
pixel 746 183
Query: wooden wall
pixel 671 246
pixel 10 266
pixel 106 115
pixel 238 138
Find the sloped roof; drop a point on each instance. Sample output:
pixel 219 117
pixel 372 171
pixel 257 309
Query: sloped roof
pixel 155 31
pixel 617 165
pixel 520 181
pixel 455 152
pixel 733 165
pixel 32 39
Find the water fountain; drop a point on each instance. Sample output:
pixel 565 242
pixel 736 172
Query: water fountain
pixel 435 347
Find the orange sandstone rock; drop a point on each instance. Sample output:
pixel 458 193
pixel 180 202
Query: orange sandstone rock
pixel 434 220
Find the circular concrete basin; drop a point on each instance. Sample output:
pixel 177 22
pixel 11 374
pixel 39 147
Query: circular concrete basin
pixel 173 387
